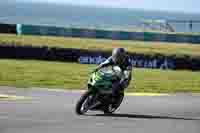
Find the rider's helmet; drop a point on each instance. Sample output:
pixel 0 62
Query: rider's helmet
pixel 119 55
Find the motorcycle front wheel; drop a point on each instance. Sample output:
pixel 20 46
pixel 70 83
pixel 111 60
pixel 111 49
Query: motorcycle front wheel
pixel 82 104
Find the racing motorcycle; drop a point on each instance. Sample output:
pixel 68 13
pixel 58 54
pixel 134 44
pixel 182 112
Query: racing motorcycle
pixel 98 96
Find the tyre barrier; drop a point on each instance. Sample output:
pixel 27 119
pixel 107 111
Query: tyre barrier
pixel 157 61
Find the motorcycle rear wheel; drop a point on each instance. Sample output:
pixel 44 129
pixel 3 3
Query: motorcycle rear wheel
pixel 111 108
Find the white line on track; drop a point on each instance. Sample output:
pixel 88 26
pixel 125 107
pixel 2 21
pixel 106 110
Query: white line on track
pixel 29 120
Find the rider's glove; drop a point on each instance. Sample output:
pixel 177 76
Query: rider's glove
pixel 95 70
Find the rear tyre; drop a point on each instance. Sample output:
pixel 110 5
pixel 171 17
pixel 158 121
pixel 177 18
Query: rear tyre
pixel 111 108
pixel 119 101
pixel 81 106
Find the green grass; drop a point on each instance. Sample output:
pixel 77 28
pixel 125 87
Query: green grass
pixel 106 45
pixel 24 73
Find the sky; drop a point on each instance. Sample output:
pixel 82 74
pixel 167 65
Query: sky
pixel 190 6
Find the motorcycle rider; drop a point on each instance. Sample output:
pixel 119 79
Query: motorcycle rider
pixel 119 58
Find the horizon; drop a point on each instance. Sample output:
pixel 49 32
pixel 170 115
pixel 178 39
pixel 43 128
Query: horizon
pixel 163 7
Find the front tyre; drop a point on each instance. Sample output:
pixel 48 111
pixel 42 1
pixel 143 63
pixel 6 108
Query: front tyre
pixel 82 104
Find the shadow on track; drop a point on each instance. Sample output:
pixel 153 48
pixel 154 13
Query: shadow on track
pixel 142 116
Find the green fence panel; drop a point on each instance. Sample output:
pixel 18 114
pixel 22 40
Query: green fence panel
pixel 105 34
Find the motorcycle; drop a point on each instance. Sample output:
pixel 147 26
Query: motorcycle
pixel 98 96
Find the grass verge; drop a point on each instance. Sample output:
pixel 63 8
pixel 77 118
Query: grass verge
pixel 24 73
pixel 105 45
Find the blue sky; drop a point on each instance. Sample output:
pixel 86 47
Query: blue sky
pixel 169 5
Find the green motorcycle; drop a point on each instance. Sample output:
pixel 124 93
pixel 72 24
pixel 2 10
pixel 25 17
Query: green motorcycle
pixel 98 97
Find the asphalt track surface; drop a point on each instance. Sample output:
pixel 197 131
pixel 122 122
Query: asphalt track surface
pixel 53 112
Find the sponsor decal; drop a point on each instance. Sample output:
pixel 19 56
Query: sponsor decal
pixel 139 62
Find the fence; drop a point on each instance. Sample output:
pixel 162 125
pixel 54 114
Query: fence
pixel 106 34
pixel 8 28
